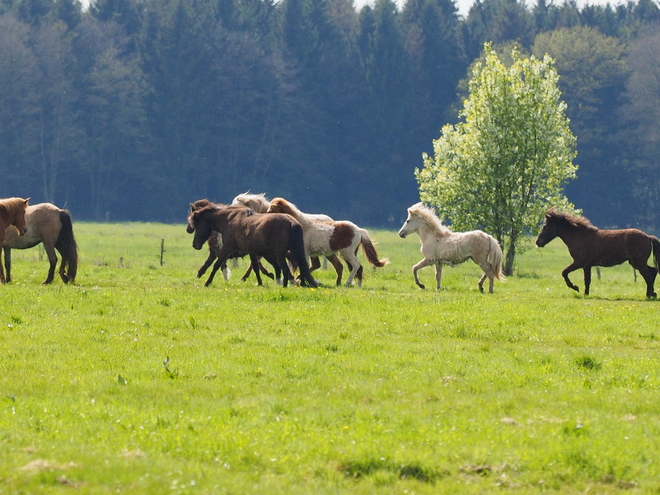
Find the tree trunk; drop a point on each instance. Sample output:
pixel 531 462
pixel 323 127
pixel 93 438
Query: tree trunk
pixel 510 257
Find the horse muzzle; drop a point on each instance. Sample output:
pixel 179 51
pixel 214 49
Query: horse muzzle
pixel 23 231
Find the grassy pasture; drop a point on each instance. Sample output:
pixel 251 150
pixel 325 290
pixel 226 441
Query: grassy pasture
pixel 140 380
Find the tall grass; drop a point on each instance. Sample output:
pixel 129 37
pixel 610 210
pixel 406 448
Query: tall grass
pixel 140 380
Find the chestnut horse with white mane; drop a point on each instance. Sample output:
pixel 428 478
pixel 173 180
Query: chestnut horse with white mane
pixel 12 212
pixel 441 246
pixel 328 238
pixel 260 204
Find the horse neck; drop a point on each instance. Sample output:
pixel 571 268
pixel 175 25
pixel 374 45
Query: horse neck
pixel 572 235
pixel 425 230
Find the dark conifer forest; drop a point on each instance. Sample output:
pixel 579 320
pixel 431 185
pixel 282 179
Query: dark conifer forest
pixel 131 109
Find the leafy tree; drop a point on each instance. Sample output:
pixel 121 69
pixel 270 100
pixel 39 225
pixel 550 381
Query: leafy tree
pixel 502 166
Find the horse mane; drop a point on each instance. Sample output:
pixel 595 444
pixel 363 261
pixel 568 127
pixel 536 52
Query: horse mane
pixel 257 202
pixel 12 206
pixel 281 205
pixel 569 220
pixel 428 215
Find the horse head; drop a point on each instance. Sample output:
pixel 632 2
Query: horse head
pixel 16 208
pixel 549 229
pixel 200 227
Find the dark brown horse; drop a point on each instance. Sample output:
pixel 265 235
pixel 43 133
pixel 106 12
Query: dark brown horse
pixel 51 226
pixel 258 235
pixel 215 245
pixel 12 214
pixel 590 246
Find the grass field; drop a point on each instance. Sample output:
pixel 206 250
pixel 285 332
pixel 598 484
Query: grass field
pixel 140 380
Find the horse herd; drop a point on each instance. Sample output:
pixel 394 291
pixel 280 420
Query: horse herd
pixel 278 232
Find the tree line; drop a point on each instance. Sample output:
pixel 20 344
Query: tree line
pixel 130 109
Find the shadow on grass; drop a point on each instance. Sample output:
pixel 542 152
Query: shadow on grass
pixel 359 469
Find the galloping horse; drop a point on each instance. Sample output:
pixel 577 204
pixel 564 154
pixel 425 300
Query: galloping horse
pixel 260 204
pixel 328 238
pixel 52 226
pixel 441 246
pixel 12 212
pixel 590 246
pixel 258 235
pixel 215 245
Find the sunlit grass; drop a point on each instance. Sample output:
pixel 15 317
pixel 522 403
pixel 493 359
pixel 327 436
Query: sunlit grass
pixel 140 380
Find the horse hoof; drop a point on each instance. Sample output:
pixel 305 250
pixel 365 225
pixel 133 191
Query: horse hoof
pixel 421 286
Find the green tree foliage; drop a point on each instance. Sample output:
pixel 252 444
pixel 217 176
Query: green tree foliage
pixel 507 161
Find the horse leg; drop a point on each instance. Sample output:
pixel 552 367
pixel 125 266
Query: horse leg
pixel 7 263
pixel 648 273
pixel 284 266
pixel 339 268
pixel 571 268
pixel 417 267
pixel 2 273
pixel 265 272
pixel 218 264
pixel 209 261
pixel 254 261
pixel 587 279
pixel 354 263
pixel 52 259
pixel 438 275
pixel 481 283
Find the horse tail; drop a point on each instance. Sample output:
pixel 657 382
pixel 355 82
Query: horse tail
pixel 656 251
pixel 495 258
pixel 370 250
pixel 298 251
pixel 66 245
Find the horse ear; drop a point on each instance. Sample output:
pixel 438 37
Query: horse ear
pixel 26 201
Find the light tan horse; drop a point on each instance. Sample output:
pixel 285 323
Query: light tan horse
pixel 53 227
pixel 441 246
pixel 12 213
pixel 328 238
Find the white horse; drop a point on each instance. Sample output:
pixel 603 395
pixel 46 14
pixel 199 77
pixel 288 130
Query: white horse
pixel 328 238
pixel 441 246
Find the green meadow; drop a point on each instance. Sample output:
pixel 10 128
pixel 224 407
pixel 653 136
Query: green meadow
pixel 138 379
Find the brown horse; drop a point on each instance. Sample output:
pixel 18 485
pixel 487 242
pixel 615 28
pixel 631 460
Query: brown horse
pixel 258 235
pixel 12 212
pixel 51 226
pixel 590 246
pixel 215 245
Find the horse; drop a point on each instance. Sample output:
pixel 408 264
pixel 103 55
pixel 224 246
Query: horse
pixel 215 245
pixel 590 246
pixel 441 246
pixel 257 234
pixel 328 238
pixel 53 227
pixel 260 204
pixel 12 212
